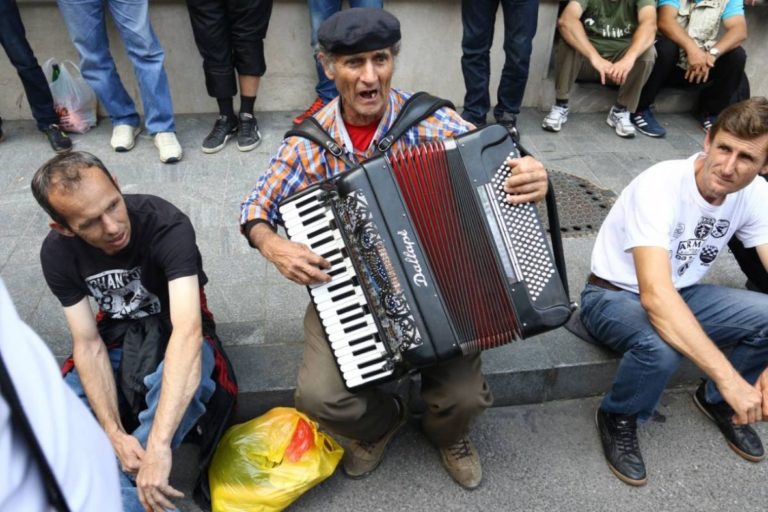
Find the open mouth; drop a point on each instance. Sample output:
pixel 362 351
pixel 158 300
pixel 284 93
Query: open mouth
pixel 369 94
pixel 119 240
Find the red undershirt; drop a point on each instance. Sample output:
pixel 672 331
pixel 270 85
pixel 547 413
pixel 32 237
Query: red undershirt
pixel 361 136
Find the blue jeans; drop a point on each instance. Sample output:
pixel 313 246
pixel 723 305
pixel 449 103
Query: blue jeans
pixel 478 18
pixel 319 11
pixel 728 316
pixel 13 39
pixel 153 382
pixel 87 27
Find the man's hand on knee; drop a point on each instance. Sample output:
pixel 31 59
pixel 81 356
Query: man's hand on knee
pixel 155 492
pixel 762 386
pixel 745 400
pixel 129 451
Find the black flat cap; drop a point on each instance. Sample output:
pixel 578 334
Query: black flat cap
pixel 357 30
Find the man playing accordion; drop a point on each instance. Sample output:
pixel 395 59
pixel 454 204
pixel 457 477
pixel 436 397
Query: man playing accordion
pixel 358 48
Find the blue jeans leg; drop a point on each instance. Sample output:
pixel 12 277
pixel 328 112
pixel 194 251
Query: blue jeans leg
pixel 617 319
pixel 13 39
pixel 195 409
pixel 153 382
pixel 147 56
pixel 477 19
pixel 520 18
pixel 735 318
pixel 319 11
pixel 88 30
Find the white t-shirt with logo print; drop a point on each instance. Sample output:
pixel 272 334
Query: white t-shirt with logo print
pixel 662 207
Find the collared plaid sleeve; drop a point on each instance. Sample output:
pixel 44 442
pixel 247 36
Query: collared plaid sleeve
pixel 443 124
pixel 295 166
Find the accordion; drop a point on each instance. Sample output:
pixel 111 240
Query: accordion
pixel 428 260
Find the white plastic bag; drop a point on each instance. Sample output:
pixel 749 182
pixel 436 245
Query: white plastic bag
pixel 73 100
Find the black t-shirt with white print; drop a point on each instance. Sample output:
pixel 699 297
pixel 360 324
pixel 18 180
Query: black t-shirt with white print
pixel 133 283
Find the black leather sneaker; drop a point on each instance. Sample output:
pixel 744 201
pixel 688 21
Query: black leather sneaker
pixel 248 136
pixel 741 438
pixel 618 433
pixel 59 140
pixel 222 131
pixel 509 121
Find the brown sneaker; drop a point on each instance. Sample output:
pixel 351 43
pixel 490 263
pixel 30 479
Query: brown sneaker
pixel 463 463
pixel 362 457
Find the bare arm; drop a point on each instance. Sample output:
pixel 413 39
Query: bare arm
pixel 295 261
pixel 181 378
pixel 642 39
pixel 734 34
pixel 700 61
pixel 570 27
pixel 98 380
pixel 677 325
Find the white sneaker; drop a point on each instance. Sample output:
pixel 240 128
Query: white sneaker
pixel 555 119
pixel 619 121
pixel 168 146
pixel 124 137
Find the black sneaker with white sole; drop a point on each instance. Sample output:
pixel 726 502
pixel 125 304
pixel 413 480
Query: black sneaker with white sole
pixel 248 136
pixel 222 131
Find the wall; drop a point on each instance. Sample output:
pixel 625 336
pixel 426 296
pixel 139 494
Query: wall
pixel 430 58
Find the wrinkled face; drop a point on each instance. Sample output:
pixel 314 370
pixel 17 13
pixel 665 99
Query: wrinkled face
pixel 730 164
pixel 95 212
pixel 363 81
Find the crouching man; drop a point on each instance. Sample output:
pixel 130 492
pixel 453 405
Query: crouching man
pixel 642 298
pixel 148 363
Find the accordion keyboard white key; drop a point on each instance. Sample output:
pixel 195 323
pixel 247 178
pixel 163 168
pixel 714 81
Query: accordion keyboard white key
pixel 341 304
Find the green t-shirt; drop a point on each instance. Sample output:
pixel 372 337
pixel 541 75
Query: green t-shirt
pixel 610 23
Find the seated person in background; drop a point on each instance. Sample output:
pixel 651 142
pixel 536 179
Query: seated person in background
pixel 689 52
pixel 615 37
pixel 230 38
pixel 642 298
pixel 14 41
pixel 358 48
pixel 149 364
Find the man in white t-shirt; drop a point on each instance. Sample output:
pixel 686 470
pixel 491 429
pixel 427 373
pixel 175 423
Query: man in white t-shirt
pixel 642 298
pixel 74 445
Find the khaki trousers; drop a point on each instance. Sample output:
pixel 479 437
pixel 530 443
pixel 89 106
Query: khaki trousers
pixel 455 393
pixel 571 65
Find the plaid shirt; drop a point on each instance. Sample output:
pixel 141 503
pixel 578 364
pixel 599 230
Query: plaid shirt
pixel 300 162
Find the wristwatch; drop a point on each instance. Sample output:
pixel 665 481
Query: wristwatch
pixel 714 52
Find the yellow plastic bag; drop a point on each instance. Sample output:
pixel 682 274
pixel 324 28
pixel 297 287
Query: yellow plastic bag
pixel 265 464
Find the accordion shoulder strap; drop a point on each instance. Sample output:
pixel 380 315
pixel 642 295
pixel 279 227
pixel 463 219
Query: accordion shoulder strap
pixel 310 129
pixel 21 422
pixel 416 108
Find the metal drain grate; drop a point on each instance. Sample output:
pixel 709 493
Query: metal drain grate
pixel 582 206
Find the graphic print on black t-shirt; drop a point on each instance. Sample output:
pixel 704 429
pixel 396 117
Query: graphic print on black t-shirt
pixel 121 295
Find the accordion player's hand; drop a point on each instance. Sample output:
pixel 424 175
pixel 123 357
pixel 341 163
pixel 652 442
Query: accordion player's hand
pixel 527 182
pixel 296 261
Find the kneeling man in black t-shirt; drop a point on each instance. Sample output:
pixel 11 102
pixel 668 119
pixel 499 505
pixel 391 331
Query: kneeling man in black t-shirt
pixel 148 363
